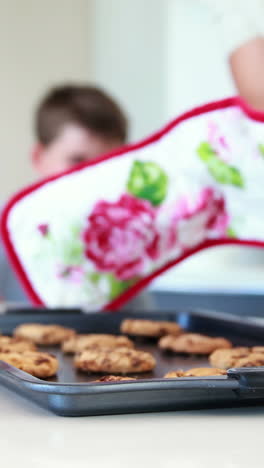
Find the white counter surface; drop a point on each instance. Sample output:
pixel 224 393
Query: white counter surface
pixel 34 438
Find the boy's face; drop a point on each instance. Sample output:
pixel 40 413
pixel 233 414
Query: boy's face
pixel 74 145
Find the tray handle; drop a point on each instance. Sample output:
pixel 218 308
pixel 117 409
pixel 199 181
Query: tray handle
pixel 250 378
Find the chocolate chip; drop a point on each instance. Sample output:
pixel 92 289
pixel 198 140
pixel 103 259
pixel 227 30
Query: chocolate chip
pixel 105 362
pixel 136 362
pixel 41 361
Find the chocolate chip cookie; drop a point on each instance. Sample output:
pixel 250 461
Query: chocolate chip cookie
pixel 174 374
pixel 79 343
pixel 192 343
pixel 226 358
pixel 149 328
pixel 16 344
pixel 42 365
pixel 196 372
pixel 114 361
pixel 113 378
pixel 44 334
pixel 257 349
pixel 252 360
pixel 204 372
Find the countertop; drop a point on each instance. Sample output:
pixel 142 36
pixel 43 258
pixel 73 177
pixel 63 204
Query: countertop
pixel 31 437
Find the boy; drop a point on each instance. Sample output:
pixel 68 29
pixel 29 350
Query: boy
pixel 73 124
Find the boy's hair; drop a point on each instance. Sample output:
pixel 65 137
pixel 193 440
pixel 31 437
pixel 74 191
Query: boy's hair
pixel 87 106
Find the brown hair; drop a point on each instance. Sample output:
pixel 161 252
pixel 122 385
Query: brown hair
pixel 87 106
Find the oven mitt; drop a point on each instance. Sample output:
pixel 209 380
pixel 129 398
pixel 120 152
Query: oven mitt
pixel 98 234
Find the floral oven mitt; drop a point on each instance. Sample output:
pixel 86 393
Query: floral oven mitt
pixel 97 235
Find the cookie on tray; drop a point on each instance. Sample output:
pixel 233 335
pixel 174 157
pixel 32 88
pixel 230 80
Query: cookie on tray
pixel 196 372
pixel 114 378
pixel 114 361
pixel 16 344
pixel 44 334
pixel 257 349
pixel 79 343
pixel 204 372
pixel 174 374
pixel 149 328
pixel 192 343
pixel 226 358
pixel 252 360
pixel 42 365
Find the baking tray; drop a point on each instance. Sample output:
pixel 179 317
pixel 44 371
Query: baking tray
pixel 75 394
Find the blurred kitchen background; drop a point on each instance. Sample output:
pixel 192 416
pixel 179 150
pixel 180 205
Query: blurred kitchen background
pixel 158 58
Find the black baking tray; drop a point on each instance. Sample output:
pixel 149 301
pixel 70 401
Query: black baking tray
pixel 75 394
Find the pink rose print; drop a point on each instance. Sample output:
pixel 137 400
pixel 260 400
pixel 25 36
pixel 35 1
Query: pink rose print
pixel 206 218
pixel 166 225
pixel 121 236
pixel 73 273
pixel 212 203
pixel 43 229
pixel 217 141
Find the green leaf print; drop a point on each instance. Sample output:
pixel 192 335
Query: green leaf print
pixel 72 253
pixel 261 149
pixel 117 287
pixel 94 277
pixel 231 232
pixel 219 170
pixel 206 152
pixel 148 181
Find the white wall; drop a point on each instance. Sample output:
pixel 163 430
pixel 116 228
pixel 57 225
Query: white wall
pixel 196 63
pixel 128 42
pixel 41 43
pixel 159 57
